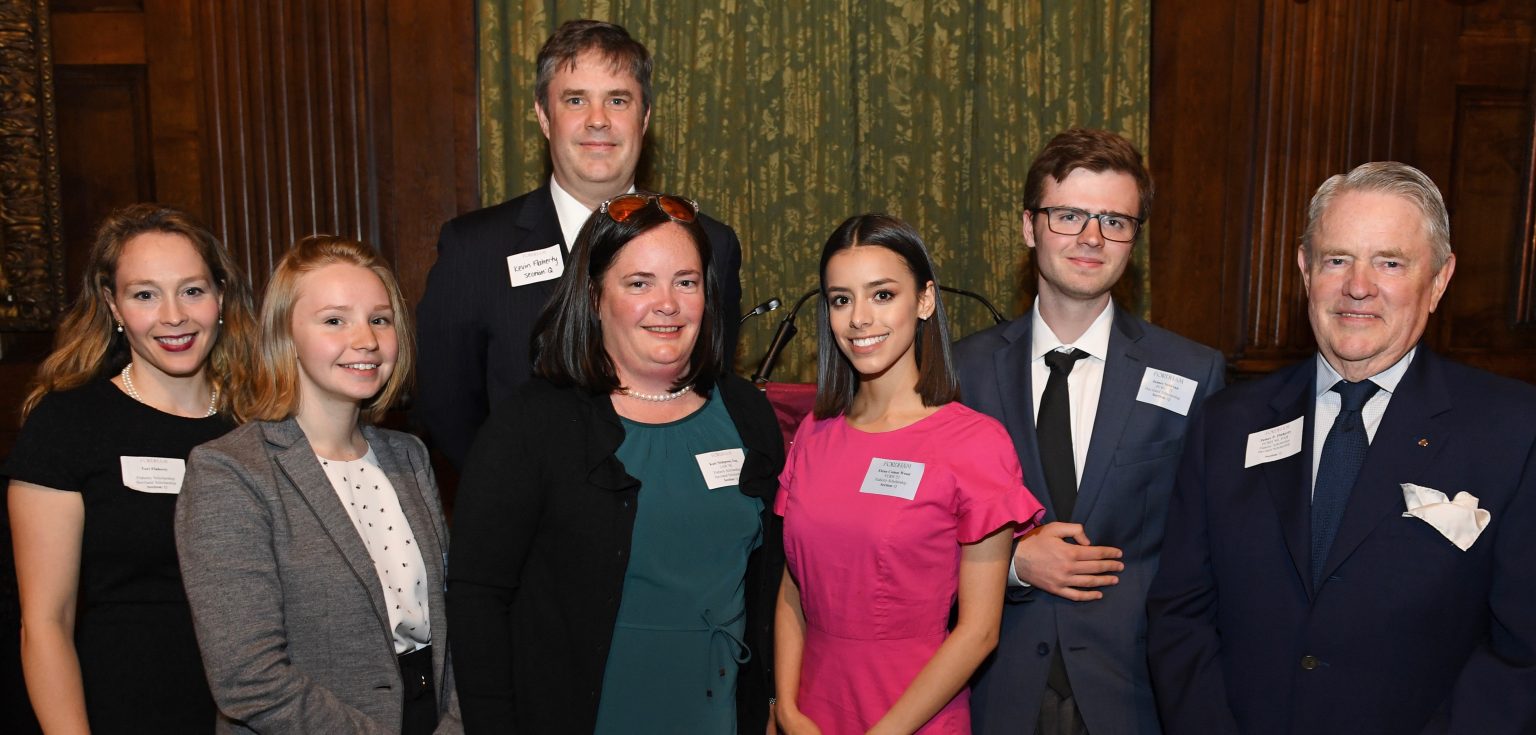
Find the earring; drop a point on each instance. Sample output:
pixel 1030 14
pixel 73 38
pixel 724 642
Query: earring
pixel 221 320
pixel 119 327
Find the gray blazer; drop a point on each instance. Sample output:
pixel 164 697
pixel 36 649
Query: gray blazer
pixel 287 606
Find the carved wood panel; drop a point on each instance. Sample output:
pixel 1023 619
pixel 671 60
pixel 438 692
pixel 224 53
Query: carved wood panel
pixel 1255 104
pixel 31 262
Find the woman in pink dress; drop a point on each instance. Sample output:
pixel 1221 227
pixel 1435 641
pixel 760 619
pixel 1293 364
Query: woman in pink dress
pixel 898 502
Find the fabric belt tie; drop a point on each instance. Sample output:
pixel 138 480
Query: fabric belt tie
pixel 725 649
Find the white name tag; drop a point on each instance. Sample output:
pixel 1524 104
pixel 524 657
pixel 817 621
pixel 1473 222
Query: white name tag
pixel 892 477
pixel 722 468
pixel 1272 444
pixel 1167 390
pixel 535 265
pixel 153 474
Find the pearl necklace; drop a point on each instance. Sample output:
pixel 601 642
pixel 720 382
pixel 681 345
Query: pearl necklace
pixel 656 397
pixel 213 400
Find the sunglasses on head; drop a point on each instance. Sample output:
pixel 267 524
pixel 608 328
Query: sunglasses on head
pixel 624 206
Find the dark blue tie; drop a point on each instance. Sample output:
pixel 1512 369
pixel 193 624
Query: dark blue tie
pixel 1343 453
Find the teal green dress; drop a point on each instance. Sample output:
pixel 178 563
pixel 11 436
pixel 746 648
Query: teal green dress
pixel 677 644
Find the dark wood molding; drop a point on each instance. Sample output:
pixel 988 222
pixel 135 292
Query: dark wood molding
pixel 1525 304
pixel 287 131
pixel 31 259
pixel 1255 104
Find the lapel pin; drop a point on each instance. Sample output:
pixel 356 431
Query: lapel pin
pixel 1423 442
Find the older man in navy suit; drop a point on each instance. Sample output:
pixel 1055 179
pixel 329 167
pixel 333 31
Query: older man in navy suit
pixel 1096 401
pixel 1351 545
pixel 496 267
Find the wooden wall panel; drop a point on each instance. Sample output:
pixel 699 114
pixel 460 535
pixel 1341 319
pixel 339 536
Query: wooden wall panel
pixel 1314 88
pixel 104 151
pixel 1314 120
pixel 428 171
pixel 288 137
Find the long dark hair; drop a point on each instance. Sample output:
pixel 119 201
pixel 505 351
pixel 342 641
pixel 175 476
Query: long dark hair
pixel 568 338
pixel 838 381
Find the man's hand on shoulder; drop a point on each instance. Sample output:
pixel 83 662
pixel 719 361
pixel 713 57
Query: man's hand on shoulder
pixel 1043 558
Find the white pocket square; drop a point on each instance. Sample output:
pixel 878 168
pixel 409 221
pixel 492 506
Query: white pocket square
pixel 1459 520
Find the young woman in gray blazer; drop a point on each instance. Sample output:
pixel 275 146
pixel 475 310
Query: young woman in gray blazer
pixel 312 543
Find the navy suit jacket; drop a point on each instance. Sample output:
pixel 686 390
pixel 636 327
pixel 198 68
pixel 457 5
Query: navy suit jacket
pixel 1122 497
pixel 1407 633
pixel 475 329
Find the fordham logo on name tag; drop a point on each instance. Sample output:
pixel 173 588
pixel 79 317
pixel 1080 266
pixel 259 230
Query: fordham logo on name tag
pixel 153 474
pixel 1167 390
pixel 722 468
pixel 1271 444
pixel 894 477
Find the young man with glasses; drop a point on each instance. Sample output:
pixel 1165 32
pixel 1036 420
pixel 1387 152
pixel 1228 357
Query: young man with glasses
pixel 1096 401
pixel 496 267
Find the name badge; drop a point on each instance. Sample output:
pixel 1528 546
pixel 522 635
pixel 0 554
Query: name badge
pixel 1272 444
pixel 722 468
pixel 1167 390
pixel 892 477
pixel 153 474
pixel 535 265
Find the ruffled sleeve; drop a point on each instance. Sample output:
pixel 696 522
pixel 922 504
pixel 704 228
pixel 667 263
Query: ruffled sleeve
pixel 990 492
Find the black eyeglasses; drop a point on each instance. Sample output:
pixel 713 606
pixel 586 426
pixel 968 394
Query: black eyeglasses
pixel 624 206
pixel 1072 221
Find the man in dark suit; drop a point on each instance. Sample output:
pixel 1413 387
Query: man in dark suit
pixel 496 267
pixel 1350 541
pixel 1096 401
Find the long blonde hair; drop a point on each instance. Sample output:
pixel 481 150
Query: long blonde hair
pixel 87 346
pixel 274 395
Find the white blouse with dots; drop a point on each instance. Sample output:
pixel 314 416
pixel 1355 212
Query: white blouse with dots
pixel 370 500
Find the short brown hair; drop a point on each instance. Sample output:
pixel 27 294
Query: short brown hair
pixel 275 395
pixel 609 41
pixel 1094 150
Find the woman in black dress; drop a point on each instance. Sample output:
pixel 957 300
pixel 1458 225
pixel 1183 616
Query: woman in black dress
pixel 144 364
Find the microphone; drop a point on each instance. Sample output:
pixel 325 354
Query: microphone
pixel 780 338
pixel 761 309
pixel 997 317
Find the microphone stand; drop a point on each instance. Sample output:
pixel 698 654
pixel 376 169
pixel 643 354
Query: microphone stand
pixel 997 317
pixel 787 330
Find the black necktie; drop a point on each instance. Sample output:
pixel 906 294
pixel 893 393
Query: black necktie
pixel 1053 429
pixel 1337 467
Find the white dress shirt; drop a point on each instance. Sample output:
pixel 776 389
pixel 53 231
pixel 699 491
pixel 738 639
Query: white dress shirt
pixel 572 213
pixel 1083 385
pixel 1085 382
pixel 1328 403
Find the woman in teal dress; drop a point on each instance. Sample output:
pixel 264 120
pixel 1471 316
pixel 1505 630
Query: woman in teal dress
pixel 615 555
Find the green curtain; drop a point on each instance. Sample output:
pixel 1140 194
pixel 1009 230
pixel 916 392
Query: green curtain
pixel 784 118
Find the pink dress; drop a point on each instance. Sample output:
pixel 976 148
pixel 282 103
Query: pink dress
pixel 873 525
